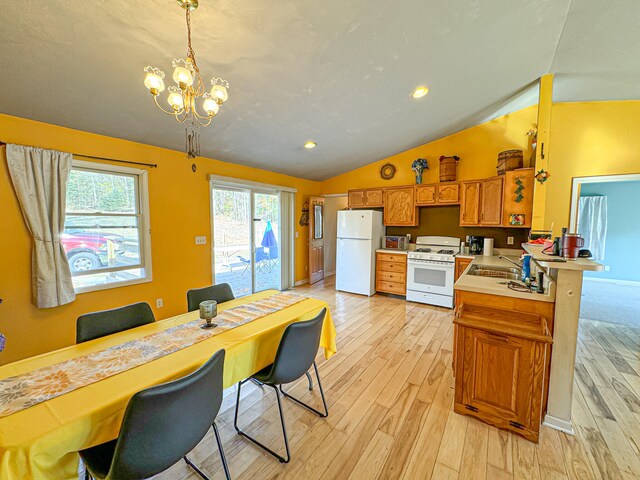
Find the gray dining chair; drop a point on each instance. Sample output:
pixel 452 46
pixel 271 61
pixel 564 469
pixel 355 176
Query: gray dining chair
pixel 295 355
pixel 220 293
pixel 161 425
pixel 106 322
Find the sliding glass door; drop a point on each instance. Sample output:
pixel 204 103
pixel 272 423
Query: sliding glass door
pixel 246 239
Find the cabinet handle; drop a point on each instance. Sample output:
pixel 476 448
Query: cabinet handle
pixel 516 424
pixel 500 338
pixel 471 407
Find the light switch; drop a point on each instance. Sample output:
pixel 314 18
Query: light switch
pixel 509 240
pixel 201 240
pixel 159 303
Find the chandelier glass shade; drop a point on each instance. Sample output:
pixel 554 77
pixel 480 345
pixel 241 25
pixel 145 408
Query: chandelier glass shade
pixel 189 100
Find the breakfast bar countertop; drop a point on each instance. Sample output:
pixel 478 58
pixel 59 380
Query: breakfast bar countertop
pixel 498 286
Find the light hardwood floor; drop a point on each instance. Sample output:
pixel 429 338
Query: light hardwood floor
pixel 390 395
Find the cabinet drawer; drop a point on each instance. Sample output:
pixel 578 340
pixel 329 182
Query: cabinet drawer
pixel 392 257
pixel 384 266
pixel 396 277
pixel 391 287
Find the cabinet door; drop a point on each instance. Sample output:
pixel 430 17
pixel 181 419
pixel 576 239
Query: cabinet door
pixel 461 266
pixel 449 193
pixel 374 198
pixel 518 197
pixel 470 203
pixel 399 206
pixel 497 375
pixel 491 201
pixel 426 195
pixel 356 198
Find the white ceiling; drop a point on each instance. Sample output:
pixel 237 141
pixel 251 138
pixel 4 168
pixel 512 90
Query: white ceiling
pixel 337 72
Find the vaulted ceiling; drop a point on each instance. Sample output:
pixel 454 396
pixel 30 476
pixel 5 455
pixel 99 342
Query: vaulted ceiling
pixel 336 72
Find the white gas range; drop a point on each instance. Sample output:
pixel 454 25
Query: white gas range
pixel 430 270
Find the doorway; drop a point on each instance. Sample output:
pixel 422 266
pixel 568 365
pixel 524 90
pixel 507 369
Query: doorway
pixel 246 239
pixel 332 205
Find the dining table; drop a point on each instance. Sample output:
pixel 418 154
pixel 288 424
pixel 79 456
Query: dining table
pixel 42 441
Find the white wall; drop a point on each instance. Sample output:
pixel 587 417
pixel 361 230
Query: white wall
pixel 331 206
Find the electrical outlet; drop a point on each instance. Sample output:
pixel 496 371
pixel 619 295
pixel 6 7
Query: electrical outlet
pixel 296 234
pixel 509 240
pixel 159 303
pixel 201 240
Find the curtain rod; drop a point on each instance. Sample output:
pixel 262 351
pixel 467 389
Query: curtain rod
pixel 152 165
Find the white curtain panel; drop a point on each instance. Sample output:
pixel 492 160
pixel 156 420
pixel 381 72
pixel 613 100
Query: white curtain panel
pixel 592 224
pixel 287 238
pixel 39 178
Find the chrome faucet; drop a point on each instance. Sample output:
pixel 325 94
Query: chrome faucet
pixel 519 265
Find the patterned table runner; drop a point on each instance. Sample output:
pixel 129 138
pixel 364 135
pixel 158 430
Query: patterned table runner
pixel 23 391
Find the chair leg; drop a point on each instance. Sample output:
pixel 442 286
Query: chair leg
pixel 221 450
pixel 195 468
pixel 310 380
pixel 324 402
pixel 284 429
pixel 257 382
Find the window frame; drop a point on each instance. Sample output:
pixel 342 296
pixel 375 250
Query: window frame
pixel 142 190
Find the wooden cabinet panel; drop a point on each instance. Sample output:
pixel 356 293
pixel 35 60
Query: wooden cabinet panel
pixel 491 201
pixel 356 198
pixel 501 361
pixel 391 273
pixel 374 198
pixel 461 266
pixel 522 180
pixel 399 207
pixel 426 194
pixel 448 193
pixel 470 202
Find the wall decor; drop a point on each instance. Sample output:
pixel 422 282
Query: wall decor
pixel 542 176
pixel 516 219
pixel 387 171
pixel 533 133
pixel 304 218
pixel 418 166
pixel 448 168
pixel 519 189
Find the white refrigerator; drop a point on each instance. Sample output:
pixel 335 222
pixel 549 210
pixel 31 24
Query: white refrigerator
pixel 360 234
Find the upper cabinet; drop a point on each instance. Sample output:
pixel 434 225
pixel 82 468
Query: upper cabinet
pixel 491 201
pixel 400 207
pixel 481 202
pixel 437 194
pixel 518 198
pixel 366 198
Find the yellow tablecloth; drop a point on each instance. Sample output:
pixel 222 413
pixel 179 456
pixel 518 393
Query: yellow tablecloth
pixel 41 442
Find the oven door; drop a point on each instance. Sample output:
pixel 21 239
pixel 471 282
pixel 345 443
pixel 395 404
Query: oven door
pixel 430 276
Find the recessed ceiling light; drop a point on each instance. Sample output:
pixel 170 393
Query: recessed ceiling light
pixel 310 145
pixel 420 92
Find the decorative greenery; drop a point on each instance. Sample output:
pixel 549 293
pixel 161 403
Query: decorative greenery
pixel 519 189
pixel 418 166
pixel 542 176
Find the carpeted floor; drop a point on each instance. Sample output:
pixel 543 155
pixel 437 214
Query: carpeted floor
pixel 611 302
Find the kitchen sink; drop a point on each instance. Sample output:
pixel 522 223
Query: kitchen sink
pixel 495 272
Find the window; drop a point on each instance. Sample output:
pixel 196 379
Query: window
pixel 106 230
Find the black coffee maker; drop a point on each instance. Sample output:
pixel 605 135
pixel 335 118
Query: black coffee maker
pixel 476 243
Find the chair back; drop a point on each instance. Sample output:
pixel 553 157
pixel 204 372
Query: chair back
pixel 106 322
pixel 163 423
pixel 220 293
pixel 297 350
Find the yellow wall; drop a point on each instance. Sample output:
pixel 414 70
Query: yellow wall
pixel 179 209
pixel 478 148
pixel 588 139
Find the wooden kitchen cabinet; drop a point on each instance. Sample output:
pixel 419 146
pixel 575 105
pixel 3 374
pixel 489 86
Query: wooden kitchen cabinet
pixel 511 203
pixel 501 363
pixel 366 198
pixel 400 207
pixel 448 193
pixel 391 273
pixel 491 201
pixel 461 265
pixel 426 194
pixel 481 202
pixel 470 193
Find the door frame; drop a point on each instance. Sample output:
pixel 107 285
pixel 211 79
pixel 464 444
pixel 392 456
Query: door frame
pixel 313 201
pixel 231 183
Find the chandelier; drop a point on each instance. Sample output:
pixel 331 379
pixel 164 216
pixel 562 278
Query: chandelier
pixel 189 91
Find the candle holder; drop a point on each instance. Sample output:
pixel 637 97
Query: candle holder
pixel 208 311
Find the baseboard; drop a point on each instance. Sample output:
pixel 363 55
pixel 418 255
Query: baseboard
pixel 558 424
pixel 329 274
pixel 612 280
pixel 301 282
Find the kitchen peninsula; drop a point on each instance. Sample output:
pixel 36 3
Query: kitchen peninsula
pixel 532 336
